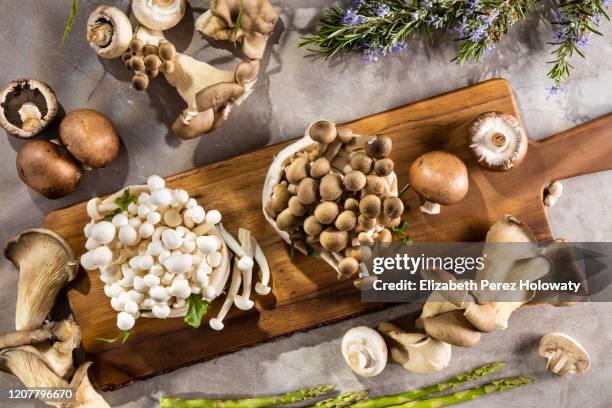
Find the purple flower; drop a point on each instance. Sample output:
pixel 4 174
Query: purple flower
pixel 398 47
pixel 426 4
pixel 477 33
pixel 357 3
pixel 473 5
pixel 351 18
pixel 556 90
pixel 382 10
pixel 431 19
pixel 371 54
pixel 582 40
pixel 561 34
pixel 463 27
pixel 558 17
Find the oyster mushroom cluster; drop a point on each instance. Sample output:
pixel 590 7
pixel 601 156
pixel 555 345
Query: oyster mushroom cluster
pixel 156 247
pixel 39 352
pixel 333 191
pixel 209 93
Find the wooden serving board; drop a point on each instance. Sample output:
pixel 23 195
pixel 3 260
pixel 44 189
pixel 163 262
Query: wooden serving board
pixel 306 292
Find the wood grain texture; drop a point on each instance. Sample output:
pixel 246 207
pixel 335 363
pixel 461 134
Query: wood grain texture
pixel 306 292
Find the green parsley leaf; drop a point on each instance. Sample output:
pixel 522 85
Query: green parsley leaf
pixel 124 200
pixel 400 229
pixel 123 336
pixel 197 308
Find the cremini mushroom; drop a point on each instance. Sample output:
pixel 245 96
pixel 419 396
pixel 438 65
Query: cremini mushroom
pixel 296 207
pixel 280 198
pixel 90 137
pixel 46 264
pixel 416 352
pixel 365 351
pixel 48 168
pixel 453 328
pixel 393 207
pixel 351 204
pixel 375 185
pixel 27 106
pixel 159 14
pixel 346 220
pixel 564 354
pixel 109 31
pixel 323 132
pixel 498 141
pixel 312 227
pixel 297 170
pixel 257 21
pixel 440 178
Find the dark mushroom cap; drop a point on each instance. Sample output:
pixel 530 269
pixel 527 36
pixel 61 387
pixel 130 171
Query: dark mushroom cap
pixel 27 106
pixel 323 131
pixel 383 167
pixel 48 168
pixel 330 188
pixel 90 137
pixel 361 162
pixel 439 177
pixel 354 180
pixel 379 147
pixel 393 207
pixel 286 221
pixel 370 206
pixel 199 124
pixel 366 223
pixel 348 267
pixel 351 204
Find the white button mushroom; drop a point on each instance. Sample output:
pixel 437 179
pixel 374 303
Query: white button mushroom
pixel 179 263
pixel 181 196
pixel 132 208
pixel 167 278
pixel 146 230
pixel 157 270
pixel 564 354
pixel 188 246
pixel 180 288
pixel 155 248
pixel 195 289
pixel 207 244
pixel 125 321
pixel 151 280
pixel 197 214
pixel 139 283
pixel 102 256
pixel 164 256
pixel 116 304
pixel 215 259
pixel 161 197
pixel 148 303
pixel 87 229
pixel 143 210
pixel 365 351
pixel 202 277
pixel 91 244
pixel 213 217
pixel 170 239
pixel 120 220
pixel 143 198
pixel 179 303
pixel 159 293
pixel 107 291
pixel 130 307
pixel 103 232
pixel 191 203
pixel 155 183
pixel 135 222
pixel 161 310
pixel 153 217
pixel 87 261
pixel 128 235
pixel 116 289
pixel 135 296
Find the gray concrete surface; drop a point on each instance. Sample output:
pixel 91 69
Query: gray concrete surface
pixel 297 88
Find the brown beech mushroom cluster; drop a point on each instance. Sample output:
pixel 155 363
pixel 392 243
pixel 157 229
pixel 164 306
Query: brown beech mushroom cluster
pixel 39 352
pixel 333 191
pixel 27 106
pixel 498 141
pixel 209 93
pixel 439 178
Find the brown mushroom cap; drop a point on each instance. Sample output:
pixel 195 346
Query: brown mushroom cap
pixel 320 168
pixel 379 147
pixel 370 206
pixel 346 220
pixel 27 106
pixel 375 185
pixel 385 236
pixel 140 81
pixel 383 167
pixel 297 209
pixel 48 168
pixel 308 191
pixel 280 197
pixel 361 162
pixel 312 226
pixel 354 180
pixel 218 96
pixel 199 124
pixel 366 223
pixel 348 267
pixel 90 137
pixel 333 240
pixel 246 72
pixel 351 204
pixel 345 134
pixel 326 212
pixel 323 131
pixel 439 177
pixel 286 221
pixel 330 188
pixel 452 328
pixel 297 170
pixel 393 207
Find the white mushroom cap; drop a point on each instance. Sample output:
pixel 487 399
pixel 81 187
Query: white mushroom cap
pixel 158 14
pixel 161 310
pixel 125 321
pixel 109 31
pixel 155 183
pixel 179 263
pixel 565 355
pixel 365 351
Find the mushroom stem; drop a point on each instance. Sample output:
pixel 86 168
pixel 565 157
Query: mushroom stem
pixel 100 34
pixel 498 141
pixel 430 208
pixel 24 337
pixel 217 322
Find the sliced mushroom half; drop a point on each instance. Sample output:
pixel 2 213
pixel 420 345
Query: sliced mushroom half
pixel 565 355
pixel 365 351
pixel 27 106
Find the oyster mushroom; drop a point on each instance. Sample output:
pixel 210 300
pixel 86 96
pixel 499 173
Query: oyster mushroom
pixel 109 31
pixel 453 328
pixel 90 137
pixel 257 21
pixel 159 14
pixel 46 264
pixel 48 168
pixel 365 351
pixel 497 141
pixel 416 352
pixel 564 354
pixel 440 178
pixel 27 106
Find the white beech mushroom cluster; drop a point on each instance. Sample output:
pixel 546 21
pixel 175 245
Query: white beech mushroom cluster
pixel 333 191
pixel 209 93
pixel 162 249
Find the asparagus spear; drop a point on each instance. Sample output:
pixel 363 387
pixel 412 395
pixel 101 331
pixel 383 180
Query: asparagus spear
pixel 432 389
pixel 288 398
pixel 469 394
pixel 343 400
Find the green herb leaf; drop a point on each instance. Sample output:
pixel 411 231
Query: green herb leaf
pixel 110 215
pixel 311 251
pixel 196 310
pixel 292 249
pixel 124 200
pixel 400 229
pixel 123 336
pixel 238 23
pixel 406 239
pixel 73 11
